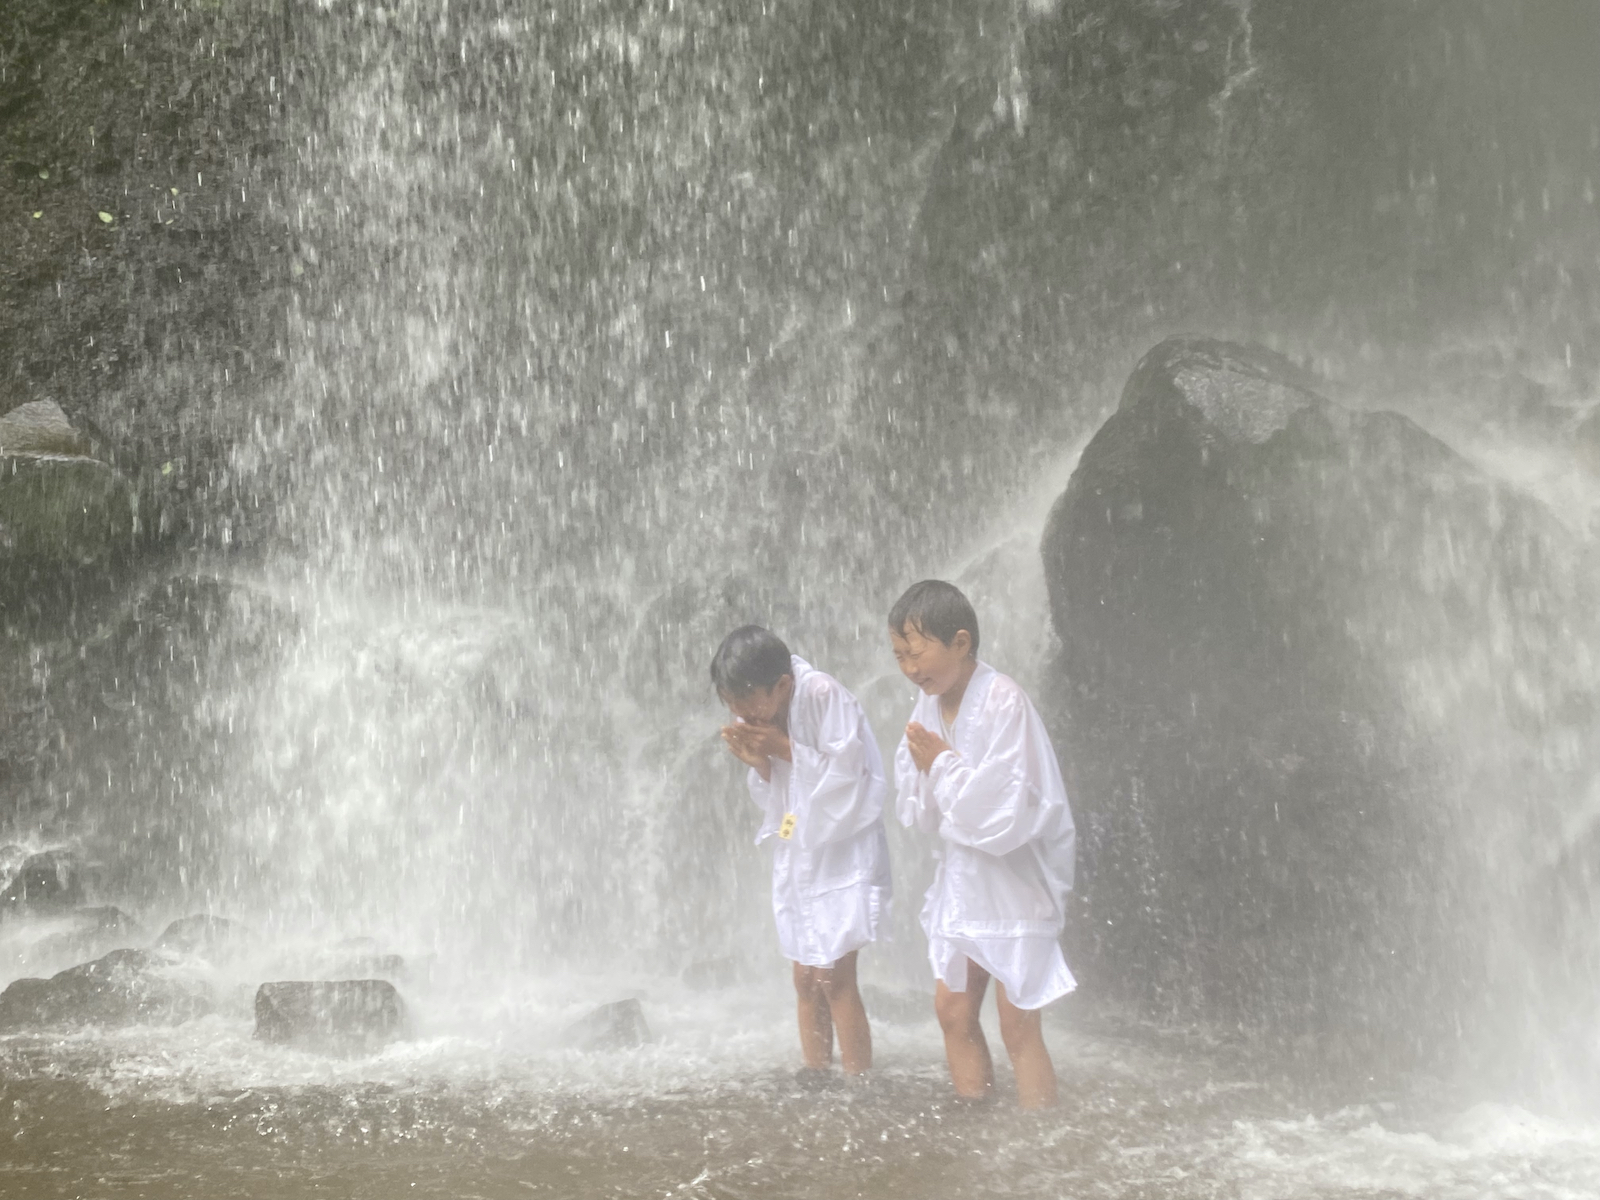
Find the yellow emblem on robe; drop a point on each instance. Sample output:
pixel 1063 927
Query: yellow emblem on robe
pixel 786 830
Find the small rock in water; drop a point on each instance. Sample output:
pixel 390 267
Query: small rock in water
pixel 199 933
pixel 337 1014
pixel 46 882
pixel 619 1025
pixel 126 987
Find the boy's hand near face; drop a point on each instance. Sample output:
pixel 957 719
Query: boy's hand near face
pixel 924 746
pixel 757 745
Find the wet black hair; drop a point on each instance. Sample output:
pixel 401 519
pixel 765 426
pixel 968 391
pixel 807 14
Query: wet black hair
pixel 749 658
pixel 935 609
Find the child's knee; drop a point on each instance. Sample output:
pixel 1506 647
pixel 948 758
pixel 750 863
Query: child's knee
pixel 1019 1029
pixel 956 1012
pixel 836 985
pixel 805 979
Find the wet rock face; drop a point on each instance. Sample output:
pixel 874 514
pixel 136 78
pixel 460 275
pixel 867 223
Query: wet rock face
pixel 114 726
pixel 93 932
pixel 126 987
pixel 619 1025
pixel 345 1013
pixel 1322 696
pixel 45 882
pixel 138 262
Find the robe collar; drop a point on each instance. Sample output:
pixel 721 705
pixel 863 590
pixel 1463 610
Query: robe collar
pixel 971 701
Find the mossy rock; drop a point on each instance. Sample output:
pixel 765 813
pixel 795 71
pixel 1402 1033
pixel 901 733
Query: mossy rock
pixel 58 505
pixel 63 511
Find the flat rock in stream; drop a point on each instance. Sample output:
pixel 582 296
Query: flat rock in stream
pixel 334 1015
pixel 619 1025
pixel 126 987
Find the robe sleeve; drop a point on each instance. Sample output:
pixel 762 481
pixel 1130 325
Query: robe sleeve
pixel 914 802
pixel 834 788
pixel 760 789
pixel 991 804
pixel 768 796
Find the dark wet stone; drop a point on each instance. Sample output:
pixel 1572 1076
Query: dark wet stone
pixel 619 1025
pixel 200 934
pixel 46 882
pixel 343 1013
pixel 126 987
pixel 1322 703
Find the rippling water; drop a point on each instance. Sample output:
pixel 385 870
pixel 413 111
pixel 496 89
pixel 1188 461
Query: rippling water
pixel 483 1102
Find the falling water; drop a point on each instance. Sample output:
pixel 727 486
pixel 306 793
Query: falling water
pixel 614 325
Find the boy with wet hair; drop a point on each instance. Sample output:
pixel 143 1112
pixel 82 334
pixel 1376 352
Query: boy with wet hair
pixel 976 772
pixel 817 777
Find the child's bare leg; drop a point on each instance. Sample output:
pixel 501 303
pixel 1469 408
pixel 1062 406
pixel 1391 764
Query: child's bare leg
pixel 816 1026
pixel 1023 1035
pixel 971 1069
pixel 849 1014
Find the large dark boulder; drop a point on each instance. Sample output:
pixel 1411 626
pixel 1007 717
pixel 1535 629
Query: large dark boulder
pixel 126 987
pixel 343 1014
pixel 1326 698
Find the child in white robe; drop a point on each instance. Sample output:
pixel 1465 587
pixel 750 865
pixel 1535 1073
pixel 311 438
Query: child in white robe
pixel 977 773
pixel 818 779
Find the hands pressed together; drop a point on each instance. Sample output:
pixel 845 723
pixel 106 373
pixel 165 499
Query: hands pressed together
pixel 757 745
pixel 924 746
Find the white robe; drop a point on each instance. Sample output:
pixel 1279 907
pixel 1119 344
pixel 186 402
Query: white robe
pixel 830 877
pixel 1004 839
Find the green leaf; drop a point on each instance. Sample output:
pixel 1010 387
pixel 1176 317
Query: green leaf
pixel 37 215
pixel 107 217
pixel 44 174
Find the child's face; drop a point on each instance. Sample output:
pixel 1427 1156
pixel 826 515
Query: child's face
pixel 932 665
pixel 762 706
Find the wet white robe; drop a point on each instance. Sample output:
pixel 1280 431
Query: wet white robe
pixel 997 810
pixel 830 877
